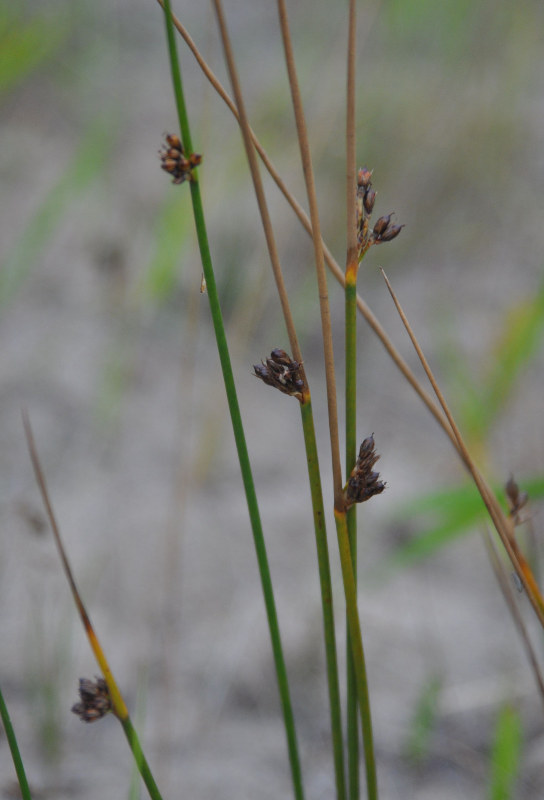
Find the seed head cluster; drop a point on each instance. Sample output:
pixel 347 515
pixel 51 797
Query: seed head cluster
pixel 384 229
pixel 94 702
pixel 175 162
pixel 363 482
pixel 281 372
pixel 516 499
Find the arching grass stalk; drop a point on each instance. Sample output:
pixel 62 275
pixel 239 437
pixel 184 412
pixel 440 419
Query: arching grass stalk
pixel 118 705
pixel 352 266
pixel 504 525
pixel 234 408
pixel 14 748
pixel 306 415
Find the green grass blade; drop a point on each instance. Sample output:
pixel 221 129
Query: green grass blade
pixel 234 408
pixel 518 343
pixel 351 456
pixel 24 47
pixel 359 663
pixel 326 597
pixel 446 516
pixel 87 163
pixel 505 755
pixel 520 339
pixel 162 274
pixel 417 743
pixel 14 747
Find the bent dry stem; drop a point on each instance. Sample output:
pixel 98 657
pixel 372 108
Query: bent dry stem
pixel 236 418
pixel 119 707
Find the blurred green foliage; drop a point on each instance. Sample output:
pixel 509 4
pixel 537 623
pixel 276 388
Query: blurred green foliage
pixel 505 754
pixel 26 44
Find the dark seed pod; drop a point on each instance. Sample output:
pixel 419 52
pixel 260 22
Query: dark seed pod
pixel 364 176
pixel 391 233
pixel 174 141
pixel 381 226
pixel 95 701
pixel 368 201
pixel 364 483
pixel 282 372
pixel 174 160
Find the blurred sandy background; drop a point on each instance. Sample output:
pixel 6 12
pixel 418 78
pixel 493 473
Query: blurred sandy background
pixel 106 339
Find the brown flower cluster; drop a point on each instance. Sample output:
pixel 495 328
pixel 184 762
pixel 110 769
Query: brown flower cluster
pixel 384 229
pixel 175 162
pixel 281 372
pixel 516 500
pixel 95 700
pixel 363 482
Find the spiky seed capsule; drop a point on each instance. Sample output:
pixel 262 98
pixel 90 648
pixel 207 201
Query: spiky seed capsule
pixel 391 233
pixel 381 225
pixel 95 701
pixel 369 200
pixel 174 160
pixel 281 372
pixel 364 176
pixel 363 481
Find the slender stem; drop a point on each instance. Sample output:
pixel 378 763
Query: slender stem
pixel 257 183
pixel 307 417
pixel 326 593
pixel 333 265
pixel 118 704
pixel 352 264
pixel 318 252
pixel 357 651
pixel 241 446
pixel 14 748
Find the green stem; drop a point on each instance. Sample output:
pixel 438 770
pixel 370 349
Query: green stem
pixel 351 454
pixel 14 747
pixel 357 651
pixel 140 759
pixel 236 418
pixel 326 595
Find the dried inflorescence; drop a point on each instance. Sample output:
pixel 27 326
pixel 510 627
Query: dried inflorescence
pixel 95 700
pixel 516 500
pixel 363 482
pixel 281 372
pixel 174 160
pixel 384 229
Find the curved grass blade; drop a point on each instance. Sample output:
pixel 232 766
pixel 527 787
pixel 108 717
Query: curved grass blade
pixel 14 748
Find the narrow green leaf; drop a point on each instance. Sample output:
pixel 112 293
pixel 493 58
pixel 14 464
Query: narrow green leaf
pixel 505 755
pixel 520 339
pixel 447 515
pixel 88 163
pixel 24 47
pixel 174 224
pixel 14 747
pixel 417 743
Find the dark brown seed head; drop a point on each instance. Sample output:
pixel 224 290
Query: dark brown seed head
pixel 174 141
pixel 175 162
pixel 516 499
pixel 364 176
pixel 364 482
pixel 94 702
pixel 282 372
pixel 381 226
pixel 391 233
pixel 369 200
